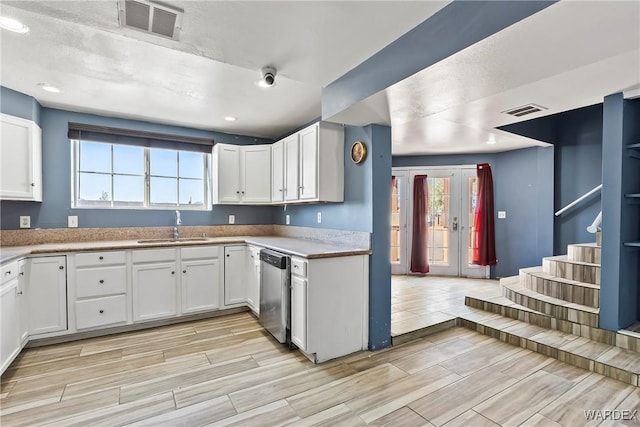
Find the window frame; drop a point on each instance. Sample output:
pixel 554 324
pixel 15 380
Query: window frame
pixel 146 204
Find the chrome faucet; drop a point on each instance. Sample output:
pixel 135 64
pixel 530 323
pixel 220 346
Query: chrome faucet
pixel 175 227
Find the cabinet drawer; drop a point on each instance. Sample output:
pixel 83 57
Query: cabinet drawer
pixel 93 282
pixel 200 252
pixel 90 259
pixel 154 255
pixel 299 267
pixel 9 271
pixel 101 311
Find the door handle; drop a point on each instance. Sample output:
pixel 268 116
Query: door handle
pixel 454 226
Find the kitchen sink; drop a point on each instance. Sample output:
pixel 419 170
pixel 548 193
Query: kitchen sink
pixel 183 239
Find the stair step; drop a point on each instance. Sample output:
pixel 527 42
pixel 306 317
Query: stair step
pixel 627 339
pixel 561 266
pixel 607 360
pixel 537 280
pixel 584 252
pixel 560 309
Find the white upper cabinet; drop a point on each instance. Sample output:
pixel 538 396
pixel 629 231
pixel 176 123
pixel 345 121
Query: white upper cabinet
pixel 277 172
pixel 313 165
pixel 20 159
pixel 291 166
pixel 242 174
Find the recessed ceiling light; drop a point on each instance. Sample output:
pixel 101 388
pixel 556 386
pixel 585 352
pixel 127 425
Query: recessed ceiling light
pixel 491 140
pixel 230 119
pixel 14 25
pixel 263 84
pixel 49 88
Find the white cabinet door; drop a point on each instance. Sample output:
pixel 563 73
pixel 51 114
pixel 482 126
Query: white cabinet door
pixel 234 275
pixel 20 159
pixel 200 285
pixel 291 160
pixel 255 170
pixel 48 289
pixel 309 163
pixel 9 341
pixel 252 268
pixel 155 288
pixel 23 304
pixel 277 172
pixel 299 312
pixel 226 173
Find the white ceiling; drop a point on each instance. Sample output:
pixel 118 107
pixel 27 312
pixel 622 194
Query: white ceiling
pixel 569 55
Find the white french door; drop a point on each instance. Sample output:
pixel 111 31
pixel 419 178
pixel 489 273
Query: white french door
pixel 450 217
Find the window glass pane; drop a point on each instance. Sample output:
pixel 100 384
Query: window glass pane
pixel 191 192
pixel 128 159
pixel 95 157
pixel 128 189
pixel 191 165
pixel 163 162
pixel 163 190
pixel 95 187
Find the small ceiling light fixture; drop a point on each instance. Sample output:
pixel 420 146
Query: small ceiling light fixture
pixel 230 118
pixel 492 139
pixel 14 25
pixel 268 76
pixel 49 88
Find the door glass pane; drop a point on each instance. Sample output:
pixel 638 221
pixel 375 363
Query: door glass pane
pixel 472 194
pixel 438 220
pixel 395 220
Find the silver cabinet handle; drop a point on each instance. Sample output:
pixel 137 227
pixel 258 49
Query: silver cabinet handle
pixel 20 293
pixel 33 184
pixel 61 267
pixel 6 273
pixel 101 311
pixel 101 281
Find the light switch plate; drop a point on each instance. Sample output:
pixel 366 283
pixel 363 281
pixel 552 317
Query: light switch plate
pixel 319 217
pixel 287 219
pixel 72 221
pixel 502 214
pixel 232 219
pixel 25 222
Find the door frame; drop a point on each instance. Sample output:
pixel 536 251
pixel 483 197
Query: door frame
pixel 460 173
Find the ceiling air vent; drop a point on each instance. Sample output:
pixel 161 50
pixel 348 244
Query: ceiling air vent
pixel 524 110
pixel 151 17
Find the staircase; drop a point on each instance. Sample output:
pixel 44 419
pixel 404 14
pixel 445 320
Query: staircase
pixel 554 310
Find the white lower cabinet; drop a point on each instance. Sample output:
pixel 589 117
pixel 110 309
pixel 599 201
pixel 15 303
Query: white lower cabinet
pixel 47 278
pixel 234 275
pixel 299 312
pixel 200 279
pixel 9 341
pixel 95 312
pixel 252 269
pixel 155 289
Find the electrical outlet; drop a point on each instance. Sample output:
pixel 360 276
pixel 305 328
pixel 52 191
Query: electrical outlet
pixel 287 219
pixel 25 222
pixel 72 221
pixel 502 214
pixel 319 217
pixel 232 219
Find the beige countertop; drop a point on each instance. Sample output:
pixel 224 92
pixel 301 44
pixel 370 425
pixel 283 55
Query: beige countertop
pixel 305 248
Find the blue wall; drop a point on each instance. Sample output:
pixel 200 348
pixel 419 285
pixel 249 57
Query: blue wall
pixel 56 169
pixel 577 138
pixel 19 105
pixel 523 187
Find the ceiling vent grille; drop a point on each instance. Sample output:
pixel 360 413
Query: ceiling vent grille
pixel 151 17
pixel 524 110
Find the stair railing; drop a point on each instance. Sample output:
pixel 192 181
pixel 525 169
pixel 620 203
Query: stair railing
pixel 593 228
pixel 578 200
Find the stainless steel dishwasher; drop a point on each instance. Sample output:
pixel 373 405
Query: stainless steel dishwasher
pixel 275 290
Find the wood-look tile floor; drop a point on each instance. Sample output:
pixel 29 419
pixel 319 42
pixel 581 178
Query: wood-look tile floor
pixel 228 371
pixel 421 301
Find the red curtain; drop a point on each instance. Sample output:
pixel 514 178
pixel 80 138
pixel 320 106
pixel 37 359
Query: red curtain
pixel 484 236
pixel 419 261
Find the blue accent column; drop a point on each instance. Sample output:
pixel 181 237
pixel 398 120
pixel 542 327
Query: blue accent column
pixel 379 160
pixel 620 217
